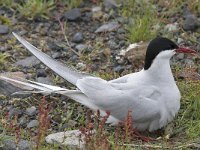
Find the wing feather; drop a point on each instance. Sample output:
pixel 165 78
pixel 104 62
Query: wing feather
pixel 69 74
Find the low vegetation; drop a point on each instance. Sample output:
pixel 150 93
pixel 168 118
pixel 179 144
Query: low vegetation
pixel 3 57
pixel 144 24
pixel 142 20
pixel 34 9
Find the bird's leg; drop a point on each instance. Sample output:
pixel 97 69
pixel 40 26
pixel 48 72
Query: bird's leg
pixel 132 132
pixel 138 135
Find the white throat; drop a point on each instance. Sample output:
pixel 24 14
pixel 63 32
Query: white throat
pixel 160 67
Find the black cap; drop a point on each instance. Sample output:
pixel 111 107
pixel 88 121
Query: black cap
pixel 156 46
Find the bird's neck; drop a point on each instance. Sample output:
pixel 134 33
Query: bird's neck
pixel 160 70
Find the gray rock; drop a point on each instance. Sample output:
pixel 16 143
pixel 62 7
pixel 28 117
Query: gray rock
pixel 108 27
pixel 121 31
pixel 70 139
pixel 113 45
pixel 118 68
pixel 32 123
pixel 7 88
pixel 45 80
pixel 10 144
pixel 122 43
pixel 53 46
pixel 13 111
pixel 191 23
pixel 78 37
pixel 73 58
pixel 88 15
pixel 110 4
pixel 28 62
pixel 4 29
pixel 41 73
pixel 23 121
pixel 31 111
pixel 73 14
pixel 81 47
pixel 56 55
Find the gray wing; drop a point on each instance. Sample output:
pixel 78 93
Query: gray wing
pixel 69 74
pixel 142 101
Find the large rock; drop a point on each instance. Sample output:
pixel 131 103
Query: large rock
pixel 32 124
pixel 10 144
pixel 45 80
pixel 110 4
pixel 108 27
pixel 71 139
pixel 135 53
pixel 4 29
pixel 28 62
pixel 7 88
pixel 191 23
pixel 31 111
pixel 78 37
pixel 73 14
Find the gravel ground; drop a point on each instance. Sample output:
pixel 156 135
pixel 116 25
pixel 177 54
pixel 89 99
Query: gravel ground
pixel 91 38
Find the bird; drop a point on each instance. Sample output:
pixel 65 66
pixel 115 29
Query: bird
pixel 151 95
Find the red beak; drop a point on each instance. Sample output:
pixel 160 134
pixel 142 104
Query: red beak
pixel 185 50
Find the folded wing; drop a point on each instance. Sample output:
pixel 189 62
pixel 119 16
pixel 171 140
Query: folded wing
pixel 142 100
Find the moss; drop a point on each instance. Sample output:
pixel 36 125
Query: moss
pixel 8 3
pixel 189 117
pixel 72 3
pixel 36 8
pixel 140 29
pixel 4 20
pixel 3 57
pixel 142 19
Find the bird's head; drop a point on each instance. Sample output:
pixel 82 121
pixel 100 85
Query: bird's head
pixel 163 48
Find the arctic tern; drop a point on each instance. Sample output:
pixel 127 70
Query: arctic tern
pixel 151 94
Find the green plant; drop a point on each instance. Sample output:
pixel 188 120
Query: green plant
pixel 140 29
pixel 3 57
pixel 7 3
pixel 5 20
pixel 142 19
pixel 36 8
pixel 71 3
pixel 128 8
pixel 189 117
pixel 194 5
